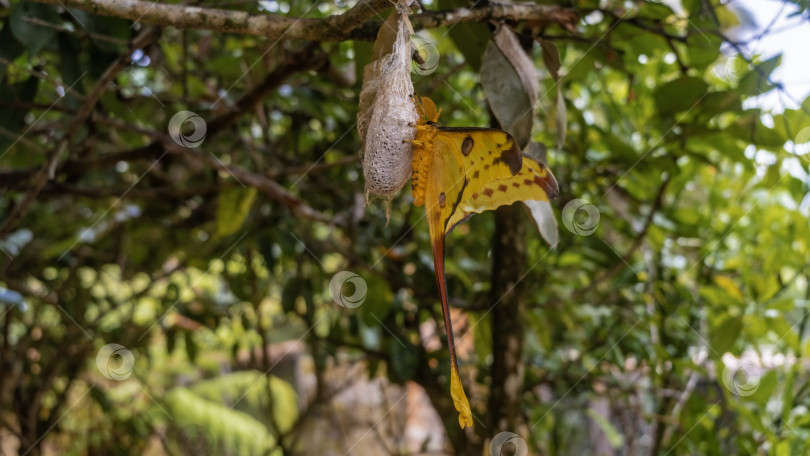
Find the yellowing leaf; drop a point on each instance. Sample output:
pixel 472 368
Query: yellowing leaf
pixel 234 206
pixel 727 284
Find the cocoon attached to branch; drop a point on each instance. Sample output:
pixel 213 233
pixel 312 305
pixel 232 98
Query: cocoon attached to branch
pixel 386 114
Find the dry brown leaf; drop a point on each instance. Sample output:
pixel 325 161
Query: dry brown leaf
pixel 510 83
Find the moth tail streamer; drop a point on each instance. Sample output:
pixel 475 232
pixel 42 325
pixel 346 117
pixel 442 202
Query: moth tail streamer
pixel 456 388
pixel 460 400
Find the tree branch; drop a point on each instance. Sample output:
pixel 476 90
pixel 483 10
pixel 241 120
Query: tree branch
pixel 354 24
pixel 307 58
pixel 265 185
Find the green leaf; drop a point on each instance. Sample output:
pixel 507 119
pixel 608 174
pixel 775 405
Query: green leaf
pixel 783 305
pixel 191 346
pixel 378 300
pixel 782 448
pixel 482 335
pixel 70 66
pixel 755 326
pixel 751 129
pixel 766 387
pixel 618 149
pixel 255 389
pixel 362 57
pixel 585 65
pixel 702 48
pixel 680 94
pixel 234 207
pixel 615 438
pixel 403 361
pixel 794 121
pixel 541 329
pixel 33 36
pixel 723 336
pixel 470 38
pixel 290 294
pixel 654 10
pixel 756 81
pixel 207 409
pixel 692 6
pixel 785 332
pixel 633 43
pixel 765 287
pixel 718 102
pixel 13 119
pixel 10 49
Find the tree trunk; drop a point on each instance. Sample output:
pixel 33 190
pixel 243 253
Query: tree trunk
pixel 506 295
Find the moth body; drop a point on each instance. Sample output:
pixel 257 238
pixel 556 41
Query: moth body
pixel 422 161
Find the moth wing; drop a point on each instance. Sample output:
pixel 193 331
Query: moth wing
pixel 496 172
pixel 446 187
